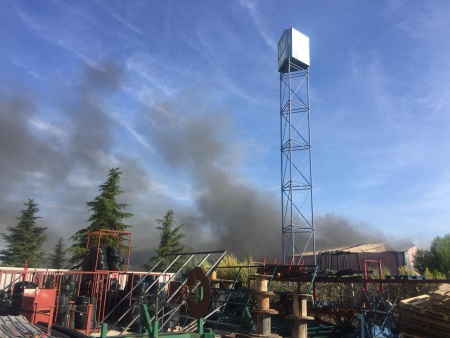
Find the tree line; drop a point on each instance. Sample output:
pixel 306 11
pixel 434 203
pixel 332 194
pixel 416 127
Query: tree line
pixel 24 242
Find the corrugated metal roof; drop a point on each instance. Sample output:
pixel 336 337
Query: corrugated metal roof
pixel 334 261
pixel 371 247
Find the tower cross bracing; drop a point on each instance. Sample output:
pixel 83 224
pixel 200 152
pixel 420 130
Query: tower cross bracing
pixel 296 162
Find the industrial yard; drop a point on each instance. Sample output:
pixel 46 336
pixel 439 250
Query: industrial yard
pixel 271 300
pixel 177 99
pixel 350 292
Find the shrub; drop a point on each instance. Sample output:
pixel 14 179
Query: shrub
pixel 233 269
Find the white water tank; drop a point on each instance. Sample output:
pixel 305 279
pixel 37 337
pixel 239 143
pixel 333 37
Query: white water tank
pixel 293 45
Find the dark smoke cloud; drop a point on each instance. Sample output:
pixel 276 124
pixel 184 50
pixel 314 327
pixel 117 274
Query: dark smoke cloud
pixel 334 231
pixel 62 171
pixel 20 151
pixel 93 129
pixel 53 167
pixel 230 212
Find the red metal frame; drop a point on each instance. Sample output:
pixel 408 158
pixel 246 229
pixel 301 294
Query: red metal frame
pixel 101 282
pixel 106 232
pixel 38 305
pixel 380 273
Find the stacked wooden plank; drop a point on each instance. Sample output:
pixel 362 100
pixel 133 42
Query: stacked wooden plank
pixel 426 315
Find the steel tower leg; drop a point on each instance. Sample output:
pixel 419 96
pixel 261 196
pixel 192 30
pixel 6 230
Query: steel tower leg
pixel 297 223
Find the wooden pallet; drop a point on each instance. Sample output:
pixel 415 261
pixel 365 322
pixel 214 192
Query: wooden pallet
pixel 424 311
pixel 425 316
pixel 418 301
pixel 420 324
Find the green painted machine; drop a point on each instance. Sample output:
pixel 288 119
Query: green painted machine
pixel 150 328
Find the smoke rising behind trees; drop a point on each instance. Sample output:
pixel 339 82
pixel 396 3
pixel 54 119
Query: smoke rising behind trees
pixel 60 160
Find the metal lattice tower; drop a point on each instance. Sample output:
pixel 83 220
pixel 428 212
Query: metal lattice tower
pixel 297 222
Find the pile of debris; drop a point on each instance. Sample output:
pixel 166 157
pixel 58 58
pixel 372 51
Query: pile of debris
pixel 19 326
pixel 427 315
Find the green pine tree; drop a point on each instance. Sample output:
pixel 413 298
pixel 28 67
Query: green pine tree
pixel 170 239
pixel 57 258
pixel 24 241
pixel 107 213
pixel 436 259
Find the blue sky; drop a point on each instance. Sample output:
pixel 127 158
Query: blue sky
pixel 183 96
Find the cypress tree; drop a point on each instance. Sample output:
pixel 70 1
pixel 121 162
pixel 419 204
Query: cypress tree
pixel 25 240
pixel 57 259
pixel 170 239
pixel 107 213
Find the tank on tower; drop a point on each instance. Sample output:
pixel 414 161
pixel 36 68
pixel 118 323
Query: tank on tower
pixel 293 45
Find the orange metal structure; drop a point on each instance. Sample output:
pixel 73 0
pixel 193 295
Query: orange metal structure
pixel 39 303
pixel 119 235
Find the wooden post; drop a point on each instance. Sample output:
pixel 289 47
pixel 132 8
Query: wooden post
pixel 300 316
pixel 263 311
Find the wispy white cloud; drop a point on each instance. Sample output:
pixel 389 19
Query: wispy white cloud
pixel 124 119
pixel 54 36
pixel 31 71
pixel 156 74
pixel 385 136
pixel 253 11
pixel 48 129
pixel 221 72
pixel 419 20
pixel 120 18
